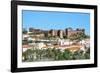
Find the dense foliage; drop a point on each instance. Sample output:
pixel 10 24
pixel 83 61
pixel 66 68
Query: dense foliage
pixel 53 55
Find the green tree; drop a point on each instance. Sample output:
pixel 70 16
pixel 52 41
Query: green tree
pixel 67 54
pixel 24 31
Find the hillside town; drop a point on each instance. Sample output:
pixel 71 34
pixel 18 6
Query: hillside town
pixel 50 45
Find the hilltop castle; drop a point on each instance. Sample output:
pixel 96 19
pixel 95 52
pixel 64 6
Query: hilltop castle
pixel 68 32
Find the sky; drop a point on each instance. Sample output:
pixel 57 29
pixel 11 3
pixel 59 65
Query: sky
pixel 47 20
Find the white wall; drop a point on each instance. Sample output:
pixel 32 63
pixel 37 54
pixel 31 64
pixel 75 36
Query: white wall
pixel 5 37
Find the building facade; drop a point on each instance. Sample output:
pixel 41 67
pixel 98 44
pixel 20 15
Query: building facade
pixel 68 32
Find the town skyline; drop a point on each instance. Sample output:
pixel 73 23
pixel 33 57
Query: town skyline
pixel 51 29
pixel 55 45
pixel 55 20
